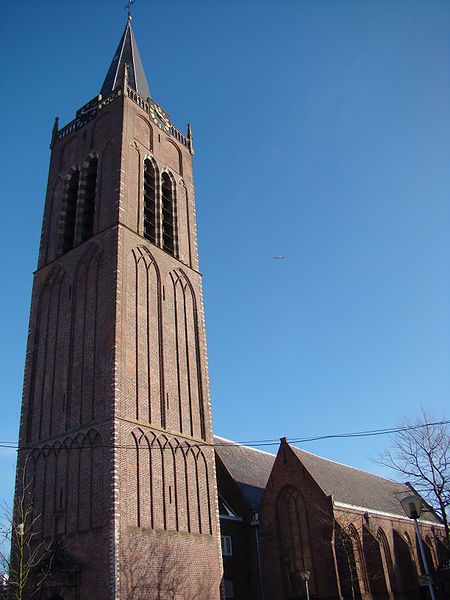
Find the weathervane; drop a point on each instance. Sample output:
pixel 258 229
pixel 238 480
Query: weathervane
pixel 128 7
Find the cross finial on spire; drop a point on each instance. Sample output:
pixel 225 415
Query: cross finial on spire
pixel 128 7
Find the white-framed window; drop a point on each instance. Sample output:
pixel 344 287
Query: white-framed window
pixel 227 546
pixel 227 589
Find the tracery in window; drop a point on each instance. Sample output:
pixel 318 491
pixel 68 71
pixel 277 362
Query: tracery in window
pixel 168 215
pixel 150 211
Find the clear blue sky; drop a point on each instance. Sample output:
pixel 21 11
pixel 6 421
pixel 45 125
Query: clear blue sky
pixel 322 134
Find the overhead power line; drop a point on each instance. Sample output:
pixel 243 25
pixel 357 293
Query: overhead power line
pixel 251 443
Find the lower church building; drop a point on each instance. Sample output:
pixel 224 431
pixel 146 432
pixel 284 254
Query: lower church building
pixel 126 493
pixel 297 513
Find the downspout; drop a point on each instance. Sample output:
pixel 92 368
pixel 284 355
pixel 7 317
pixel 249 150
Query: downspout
pixel 255 523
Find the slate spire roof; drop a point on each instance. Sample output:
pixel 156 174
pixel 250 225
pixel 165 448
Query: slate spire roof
pixel 127 53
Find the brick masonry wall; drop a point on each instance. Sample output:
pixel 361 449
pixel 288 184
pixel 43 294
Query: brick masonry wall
pixel 242 568
pixel 116 378
pixel 384 548
pixel 287 472
pixel 67 404
pixel 165 465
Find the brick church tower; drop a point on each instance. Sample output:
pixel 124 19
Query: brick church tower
pixel 116 419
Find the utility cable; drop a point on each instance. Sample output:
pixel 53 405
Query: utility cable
pixel 251 443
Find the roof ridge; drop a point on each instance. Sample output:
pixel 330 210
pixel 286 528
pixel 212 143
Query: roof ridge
pixel 336 462
pixel 234 443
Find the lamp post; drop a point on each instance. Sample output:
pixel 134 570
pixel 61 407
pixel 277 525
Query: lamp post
pixel 305 575
pixel 412 505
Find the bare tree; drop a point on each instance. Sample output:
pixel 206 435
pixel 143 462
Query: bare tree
pixel 21 544
pixel 421 454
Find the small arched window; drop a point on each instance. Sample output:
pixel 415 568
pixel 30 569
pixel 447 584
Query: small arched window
pixel 150 212
pixel 69 210
pixel 168 215
pixel 86 209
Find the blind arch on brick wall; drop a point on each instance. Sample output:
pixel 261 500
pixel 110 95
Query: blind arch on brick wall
pixel 48 355
pixel 171 484
pixel 145 347
pixel 183 349
pixel 85 376
pixel 68 484
pixel 294 539
pixel 200 505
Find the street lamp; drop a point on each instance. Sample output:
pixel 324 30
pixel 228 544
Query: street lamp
pixel 412 505
pixel 305 575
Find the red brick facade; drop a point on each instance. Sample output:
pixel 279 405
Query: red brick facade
pixel 116 413
pixel 287 516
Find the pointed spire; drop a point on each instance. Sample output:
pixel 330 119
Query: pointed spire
pixel 127 53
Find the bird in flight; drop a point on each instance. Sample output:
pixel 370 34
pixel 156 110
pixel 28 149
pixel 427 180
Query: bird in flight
pixel 278 257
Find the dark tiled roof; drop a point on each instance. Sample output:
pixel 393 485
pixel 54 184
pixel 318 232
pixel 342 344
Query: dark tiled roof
pixel 250 468
pixel 127 52
pixel 356 487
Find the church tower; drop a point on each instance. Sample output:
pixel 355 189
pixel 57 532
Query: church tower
pixel 116 434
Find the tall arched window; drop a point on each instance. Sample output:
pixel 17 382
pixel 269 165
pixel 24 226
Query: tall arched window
pixel 168 215
pixel 381 536
pixel 374 565
pixel 346 562
pixel 294 540
pixel 150 212
pixel 69 210
pixel 405 566
pixel 86 200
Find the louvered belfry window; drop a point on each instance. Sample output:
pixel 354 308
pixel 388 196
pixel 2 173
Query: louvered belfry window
pixel 77 215
pixel 70 210
pixel 87 208
pixel 168 214
pixel 150 201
